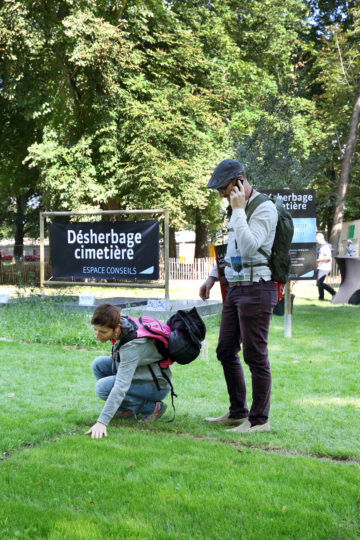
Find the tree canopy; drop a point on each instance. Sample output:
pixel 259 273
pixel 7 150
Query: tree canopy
pixel 132 104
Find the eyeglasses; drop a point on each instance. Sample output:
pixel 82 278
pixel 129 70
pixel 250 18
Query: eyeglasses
pixel 223 189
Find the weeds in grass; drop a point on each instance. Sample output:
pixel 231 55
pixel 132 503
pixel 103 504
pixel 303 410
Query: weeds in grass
pixel 51 320
pixel 46 320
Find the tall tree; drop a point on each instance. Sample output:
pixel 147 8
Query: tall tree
pixel 279 153
pixel 255 50
pixel 339 106
pixel 121 115
pixel 135 102
pixel 345 173
pixel 19 185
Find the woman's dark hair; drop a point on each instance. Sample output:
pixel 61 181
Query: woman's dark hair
pixel 106 315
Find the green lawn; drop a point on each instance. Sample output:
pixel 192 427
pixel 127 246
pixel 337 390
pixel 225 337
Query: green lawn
pixel 185 479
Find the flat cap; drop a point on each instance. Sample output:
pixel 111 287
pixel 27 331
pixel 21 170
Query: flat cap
pixel 225 171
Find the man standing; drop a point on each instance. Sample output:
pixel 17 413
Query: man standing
pixel 249 301
pixel 323 265
pixel 349 249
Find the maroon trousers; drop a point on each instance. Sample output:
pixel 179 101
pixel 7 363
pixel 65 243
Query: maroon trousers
pixel 245 321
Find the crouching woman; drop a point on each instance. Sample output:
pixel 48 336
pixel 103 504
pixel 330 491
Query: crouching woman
pixel 124 380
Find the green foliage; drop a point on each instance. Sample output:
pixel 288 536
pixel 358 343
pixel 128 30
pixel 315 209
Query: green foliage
pixel 237 267
pixel 67 326
pixel 19 185
pixel 134 102
pixel 325 13
pixel 337 75
pixel 66 489
pixel 279 151
pixel 120 119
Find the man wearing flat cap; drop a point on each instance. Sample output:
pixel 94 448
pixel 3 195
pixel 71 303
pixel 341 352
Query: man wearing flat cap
pixel 251 297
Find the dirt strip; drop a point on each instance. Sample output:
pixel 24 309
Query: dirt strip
pixel 271 449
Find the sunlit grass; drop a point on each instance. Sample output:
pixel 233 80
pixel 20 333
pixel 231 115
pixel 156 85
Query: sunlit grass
pixel 141 485
pixel 186 479
pixel 315 373
pixel 329 402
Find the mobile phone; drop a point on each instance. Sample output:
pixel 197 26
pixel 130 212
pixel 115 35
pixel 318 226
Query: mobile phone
pixel 237 182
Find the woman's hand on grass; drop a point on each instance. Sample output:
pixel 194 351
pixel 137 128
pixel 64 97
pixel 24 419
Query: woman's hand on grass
pixel 97 431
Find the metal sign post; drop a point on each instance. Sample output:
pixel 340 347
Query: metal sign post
pixel 42 251
pixel 287 312
pixel 166 258
pixel 97 284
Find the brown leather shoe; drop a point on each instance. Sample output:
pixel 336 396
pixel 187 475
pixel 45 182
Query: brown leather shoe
pixel 224 420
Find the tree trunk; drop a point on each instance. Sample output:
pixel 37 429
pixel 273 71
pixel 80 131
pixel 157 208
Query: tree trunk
pixel 19 239
pixel 172 243
pixel 111 204
pixel 329 222
pixel 345 173
pixel 21 203
pixel 202 243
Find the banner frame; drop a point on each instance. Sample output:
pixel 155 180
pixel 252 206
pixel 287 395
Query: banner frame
pixel 100 284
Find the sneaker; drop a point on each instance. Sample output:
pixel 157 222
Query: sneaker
pixel 124 415
pixel 160 409
pixel 224 420
pixel 246 428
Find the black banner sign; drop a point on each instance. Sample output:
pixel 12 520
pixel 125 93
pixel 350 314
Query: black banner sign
pixel 301 204
pixel 126 250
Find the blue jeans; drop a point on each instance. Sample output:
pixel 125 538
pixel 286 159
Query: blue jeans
pixel 141 396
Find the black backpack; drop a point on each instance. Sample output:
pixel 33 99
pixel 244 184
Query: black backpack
pixel 182 345
pixel 188 331
pixel 279 260
pixel 178 341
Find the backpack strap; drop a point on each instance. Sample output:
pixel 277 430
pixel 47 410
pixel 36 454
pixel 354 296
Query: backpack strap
pixel 158 387
pixel 263 253
pixel 251 207
pixel 154 378
pixel 249 210
pixel 193 331
pixel 172 394
pixel 130 335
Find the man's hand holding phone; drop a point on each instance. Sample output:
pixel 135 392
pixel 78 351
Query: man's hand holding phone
pixel 237 196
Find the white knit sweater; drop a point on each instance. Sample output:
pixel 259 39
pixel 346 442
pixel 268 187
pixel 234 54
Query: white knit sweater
pixel 258 233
